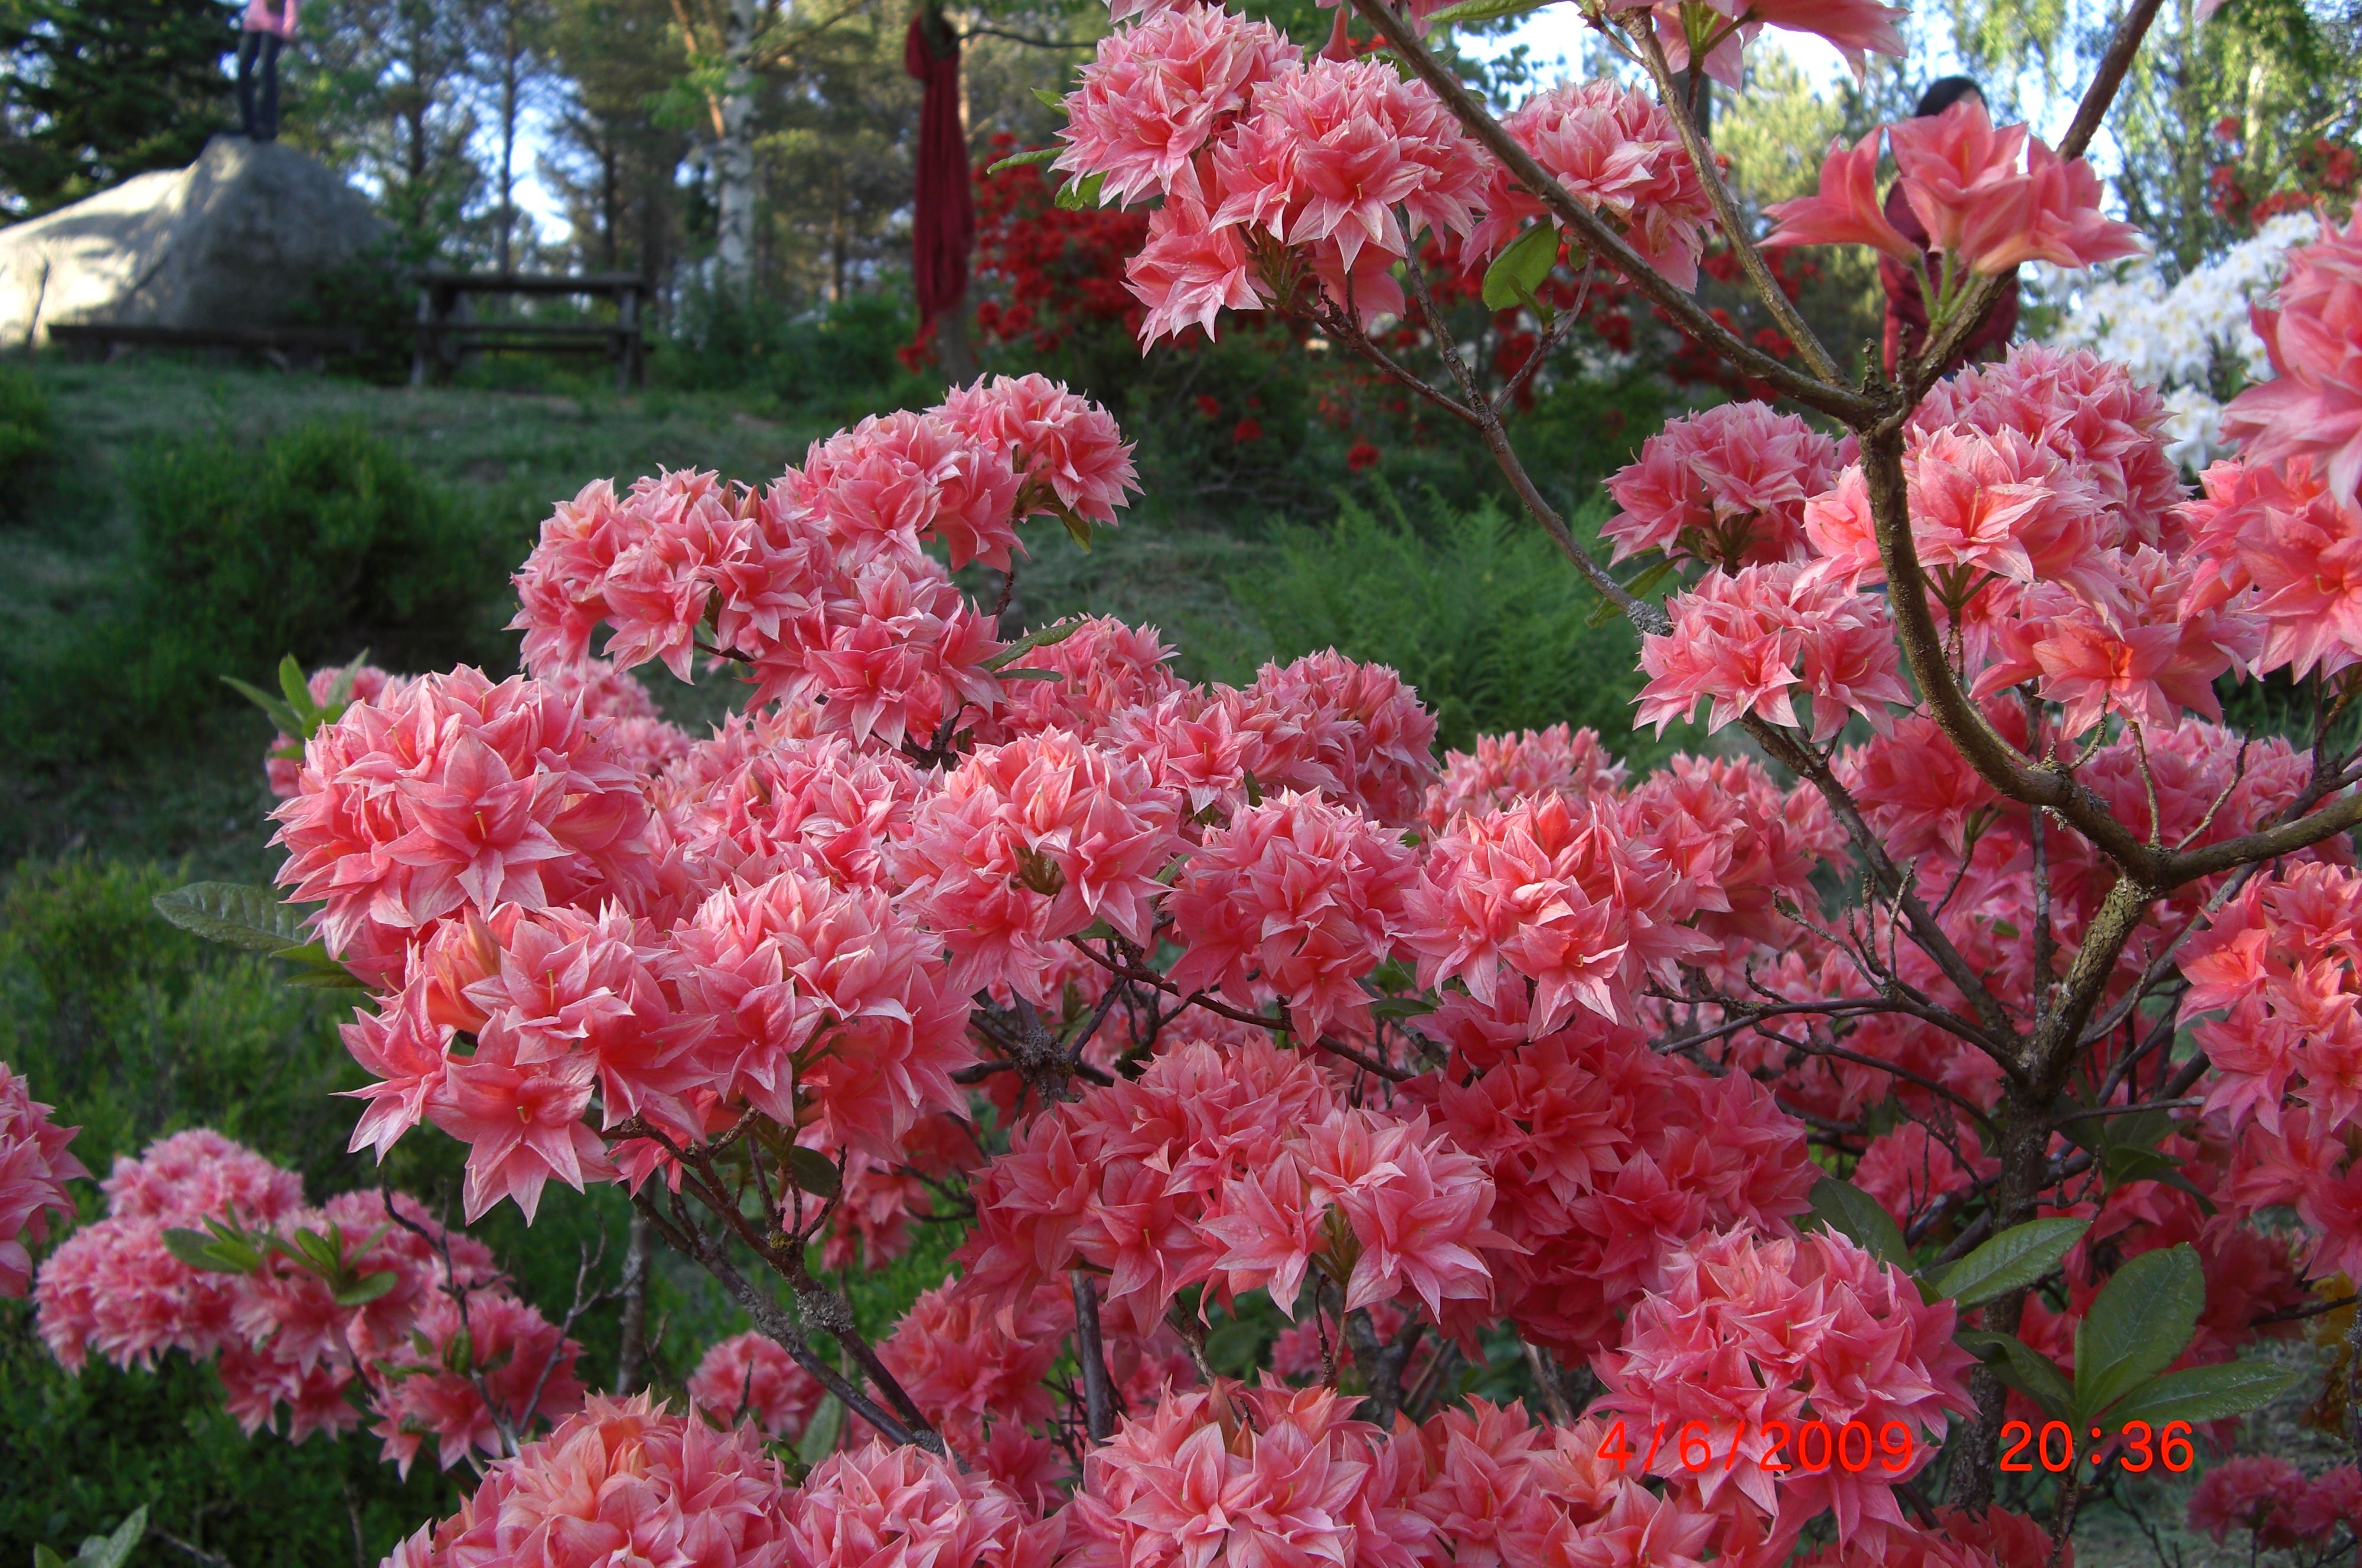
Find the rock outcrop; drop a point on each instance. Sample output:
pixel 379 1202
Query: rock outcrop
pixel 238 238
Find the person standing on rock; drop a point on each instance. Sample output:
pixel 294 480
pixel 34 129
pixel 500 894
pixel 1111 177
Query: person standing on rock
pixel 267 25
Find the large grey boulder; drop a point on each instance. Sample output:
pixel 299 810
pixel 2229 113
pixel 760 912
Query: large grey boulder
pixel 235 239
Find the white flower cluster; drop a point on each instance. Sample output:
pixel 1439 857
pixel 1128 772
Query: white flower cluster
pixel 2172 336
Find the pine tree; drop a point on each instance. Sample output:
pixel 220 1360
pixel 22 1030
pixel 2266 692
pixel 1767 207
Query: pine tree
pixel 93 92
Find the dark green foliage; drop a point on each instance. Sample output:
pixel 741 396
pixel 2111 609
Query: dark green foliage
pixel 27 441
pixel 1481 614
pixel 323 543
pixel 142 1029
pixel 371 294
pixel 93 92
pixel 840 361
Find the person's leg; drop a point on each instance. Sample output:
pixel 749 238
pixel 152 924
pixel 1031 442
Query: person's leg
pixel 271 46
pixel 248 44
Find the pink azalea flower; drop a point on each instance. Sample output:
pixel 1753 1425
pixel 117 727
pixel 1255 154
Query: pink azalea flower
pixel 2313 406
pixel 750 1376
pixel 34 1170
pixel 1191 271
pixel 1728 486
pixel 2259 1494
pixel 1055 438
pixel 1848 211
pixel 621 1480
pixel 1296 898
pixel 1739 641
pixel 1155 93
pixel 1616 151
pixel 903 1508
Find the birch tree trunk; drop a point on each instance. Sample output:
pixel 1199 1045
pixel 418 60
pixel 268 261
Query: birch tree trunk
pixel 733 152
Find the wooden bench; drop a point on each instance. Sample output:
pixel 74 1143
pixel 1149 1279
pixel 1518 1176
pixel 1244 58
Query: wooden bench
pixel 289 347
pixel 444 334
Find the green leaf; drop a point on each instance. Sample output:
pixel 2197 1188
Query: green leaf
pixel 340 695
pixel 2201 1394
pixel 281 713
pixel 2018 1256
pixel 1030 674
pixel 1054 99
pixel 1517 272
pixel 1393 1009
pixel 1484 10
pixel 814 1172
pixel 1078 528
pixel 365 1289
pixel 1019 159
pixel 820 1432
pixel 2137 1327
pixel 1640 587
pixel 211 1254
pixel 460 1354
pixel 1861 1219
pixel 1080 195
pixel 44 1558
pixel 111 1550
pixel 1235 1346
pixel 2021 1367
pixel 295 688
pixel 1047 637
pixel 235 913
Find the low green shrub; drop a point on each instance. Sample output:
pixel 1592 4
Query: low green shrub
pixel 321 544
pixel 841 361
pixel 1479 611
pixel 28 442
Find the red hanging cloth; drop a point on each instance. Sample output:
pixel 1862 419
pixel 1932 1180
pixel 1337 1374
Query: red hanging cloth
pixel 943 226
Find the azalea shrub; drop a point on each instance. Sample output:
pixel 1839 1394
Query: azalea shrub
pixel 1779 1156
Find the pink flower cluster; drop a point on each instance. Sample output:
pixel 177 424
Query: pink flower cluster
pixel 2312 408
pixel 34 1170
pixel 1748 1331
pixel 1618 154
pixel 441 1349
pixel 1606 1159
pixel 1533 762
pixel 1727 486
pixel 1990 199
pixel 1223 1167
pixel 1750 644
pixel 2272 1500
pixel 620 1481
pixel 1280 174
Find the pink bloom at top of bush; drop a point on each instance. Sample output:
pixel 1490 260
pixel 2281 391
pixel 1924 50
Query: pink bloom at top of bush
pixel 2259 1493
pixel 1503 768
pixel 1727 486
pixel 2313 406
pixel 1333 147
pixel 1616 151
pixel 1853 26
pixel 1155 93
pixel 623 1480
pixel 1553 892
pixel 903 1508
pixel 1847 210
pixel 34 1170
pixel 459 793
pixel 1029 843
pixel 916 476
pixel 1297 899
pixel 1056 439
pixel 1749 642
pixel 1965 183
pixel 750 1375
